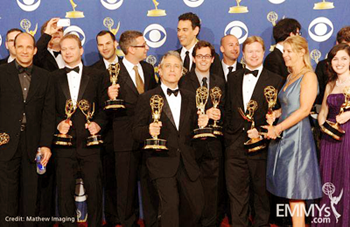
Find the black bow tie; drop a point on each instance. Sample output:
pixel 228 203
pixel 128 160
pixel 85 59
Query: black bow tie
pixel 175 92
pixel 27 70
pixel 68 70
pixel 56 53
pixel 247 71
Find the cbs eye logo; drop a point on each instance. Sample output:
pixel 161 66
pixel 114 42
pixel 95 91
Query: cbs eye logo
pixel 76 31
pixel 0 40
pixel 193 3
pixel 112 4
pixel 155 35
pixel 238 29
pixel 320 29
pixel 28 5
pixel 277 1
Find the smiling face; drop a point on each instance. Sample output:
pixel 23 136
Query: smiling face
pixel 56 37
pixel 71 52
pixel 25 49
pixel 341 62
pixel 290 56
pixel 170 71
pixel 203 59
pixel 107 47
pixel 253 55
pixel 186 34
pixel 230 48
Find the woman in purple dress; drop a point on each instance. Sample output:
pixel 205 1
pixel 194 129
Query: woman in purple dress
pixel 335 155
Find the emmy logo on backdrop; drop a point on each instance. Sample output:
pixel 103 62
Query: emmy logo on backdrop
pixel 333 129
pixel 85 108
pixel 215 95
pixel 108 23
pixel 202 95
pixel 74 13
pixel 324 5
pixel 156 12
pixel 238 8
pixel 25 24
pixel 4 138
pixel 114 103
pixel 156 103
pixel 254 144
pixel 272 17
pixel 315 55
pixel 66 139
pixel 151 59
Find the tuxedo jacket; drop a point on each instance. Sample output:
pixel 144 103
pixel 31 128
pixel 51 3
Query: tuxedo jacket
pixel 221 72
pixel 214 68
pixel 99 65
pixel 43 57
pixel 322 77
pixel 179 142
pixel 235 125
pixel 92 89
pixel 4 61
pixel 275 63
pixel 123 118
pixel 39 109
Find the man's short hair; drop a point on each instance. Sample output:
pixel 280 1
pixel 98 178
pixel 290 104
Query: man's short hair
pixel 284 27
pixel 170 53
pixel 127 38
pixel 104 32
pixel 201 44
pixel 14 42
pixel 195 21
pixel 12 30
pixel 72 36
pixel 253 39
pixel 228 35
pixel 344 35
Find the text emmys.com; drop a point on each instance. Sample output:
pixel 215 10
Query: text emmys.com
pixel 39 219
pixel 319 215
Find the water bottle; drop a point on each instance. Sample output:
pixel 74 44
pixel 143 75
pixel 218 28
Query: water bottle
pixel 40 169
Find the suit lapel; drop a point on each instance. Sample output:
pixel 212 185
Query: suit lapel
pixel 85 77
pixel 34 84
pixel 146 77
pixel 239 90
pixel 166 107
pixel 260 86
pixel 127 79
pixel 14 80
pixel 184 109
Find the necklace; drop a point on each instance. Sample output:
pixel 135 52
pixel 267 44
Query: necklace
pixel 339 83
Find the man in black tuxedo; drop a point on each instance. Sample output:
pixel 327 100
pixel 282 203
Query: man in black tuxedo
pixel 49 51
pixel 135 77
pixel 107 45
pixel 229 47
pixel 77 82
pixel 9 44
pixel 188 29
pixel 27 115
pixel 175 172
pixel 242 169
pixel 208 152
pixel 274 60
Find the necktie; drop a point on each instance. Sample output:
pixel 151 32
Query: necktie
pixel 230 69
pixel 75 69
pixel 139 82
pixel 187 61
pixel 247 71
pixel 56 53
pixel 204 82
pixel 175 92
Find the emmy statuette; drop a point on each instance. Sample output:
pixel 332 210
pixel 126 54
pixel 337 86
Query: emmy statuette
pixel 66 139
pixel 113 75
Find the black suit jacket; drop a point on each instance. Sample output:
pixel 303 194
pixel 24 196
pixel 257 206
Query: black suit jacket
pixel 123 118
pixel 179 143
pixel 214 68
pixel 221 71
pixel 4 61
pixel 39 110
pixel 322 77
pixel 43 57
pixel 235 126
pixel 93 89
pixel 275 63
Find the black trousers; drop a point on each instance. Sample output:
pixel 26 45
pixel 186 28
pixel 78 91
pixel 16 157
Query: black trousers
pixel 18 187
pixel 90 169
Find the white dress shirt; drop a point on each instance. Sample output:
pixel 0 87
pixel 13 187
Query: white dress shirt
pixel 225 68
pixel 59 60
pixel 74 79
pixel 280 47
pixel 10 59
pixel 107 63
pixel 130 68
pixel 174 104
pixel 249 82
pixel 183 55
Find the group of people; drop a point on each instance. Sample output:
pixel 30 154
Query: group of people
pixel 44 88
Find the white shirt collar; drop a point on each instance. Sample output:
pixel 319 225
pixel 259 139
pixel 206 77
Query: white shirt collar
pixel 130 65
pixel 280 47
pixel 10 59
pixel 107 63
pixel 260 68
pixel 165 88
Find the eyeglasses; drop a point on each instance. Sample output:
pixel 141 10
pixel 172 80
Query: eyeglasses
pixel 141 46
pixel 201 57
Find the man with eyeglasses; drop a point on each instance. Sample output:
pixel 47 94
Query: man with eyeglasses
pixel 9 44
pixel 283 29
pixel 135 77
pixel 209 151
